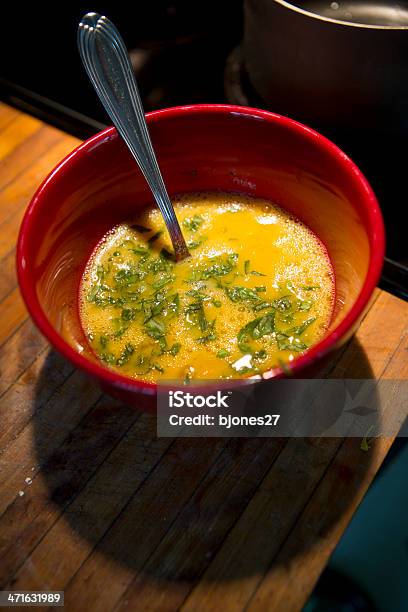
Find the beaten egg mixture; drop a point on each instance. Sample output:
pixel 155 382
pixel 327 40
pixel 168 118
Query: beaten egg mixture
pixel 256 292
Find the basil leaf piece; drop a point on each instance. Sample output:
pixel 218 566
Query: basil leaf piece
pixel 297 331
pixel 255 329
pixel 240 294
pixel 266 325
pixel 192 224
pixel 155 329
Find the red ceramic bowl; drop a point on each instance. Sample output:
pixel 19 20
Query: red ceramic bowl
pixel 205 147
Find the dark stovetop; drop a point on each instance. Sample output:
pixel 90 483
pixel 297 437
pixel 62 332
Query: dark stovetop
pixel 181 55
pixel 177 49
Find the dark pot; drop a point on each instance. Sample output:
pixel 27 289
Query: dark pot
pixel 328 72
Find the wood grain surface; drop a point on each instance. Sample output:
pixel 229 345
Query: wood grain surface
pixel 93 503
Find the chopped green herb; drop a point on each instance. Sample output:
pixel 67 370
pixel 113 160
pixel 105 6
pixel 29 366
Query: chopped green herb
pixel 100 273
pixel 125 354
pixel 196 309
pixel 120 326
pixel 126 275
pixel 247 265
pixel 103 341
pixel 192 224
pixel 158 304
pixel 255 329
pixel 188 375
pixel 196 293
pixel 241 294
pixel 284 343
pixel 175 349
pixel 244 334
pixel 128 314
pixel 298 331
pixel 137 285
pixel 245 370
pixel 142 364
pixel 162 282
pixel 366 441
pixel 174 303
pixel 365 444
pixel 108 358
pixel 202 320
pixel 283 304
pixel 219 266
pixel 193 307
pixel 99 297
pixel 255 273
pixel 262 306
pixel 194 244
pixel 305 305
pixel 155 328
pixel 208 338
pixel 140 250
pixel 265 325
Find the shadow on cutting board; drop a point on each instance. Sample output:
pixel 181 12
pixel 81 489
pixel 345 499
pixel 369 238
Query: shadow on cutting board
pixel 164 507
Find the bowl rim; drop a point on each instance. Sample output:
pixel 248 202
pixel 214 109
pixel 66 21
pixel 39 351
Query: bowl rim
pixel 315 353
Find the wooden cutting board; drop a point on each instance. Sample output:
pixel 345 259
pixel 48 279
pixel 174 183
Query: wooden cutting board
pixel 94 504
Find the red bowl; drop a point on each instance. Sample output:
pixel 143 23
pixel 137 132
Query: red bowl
pixel 199 148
